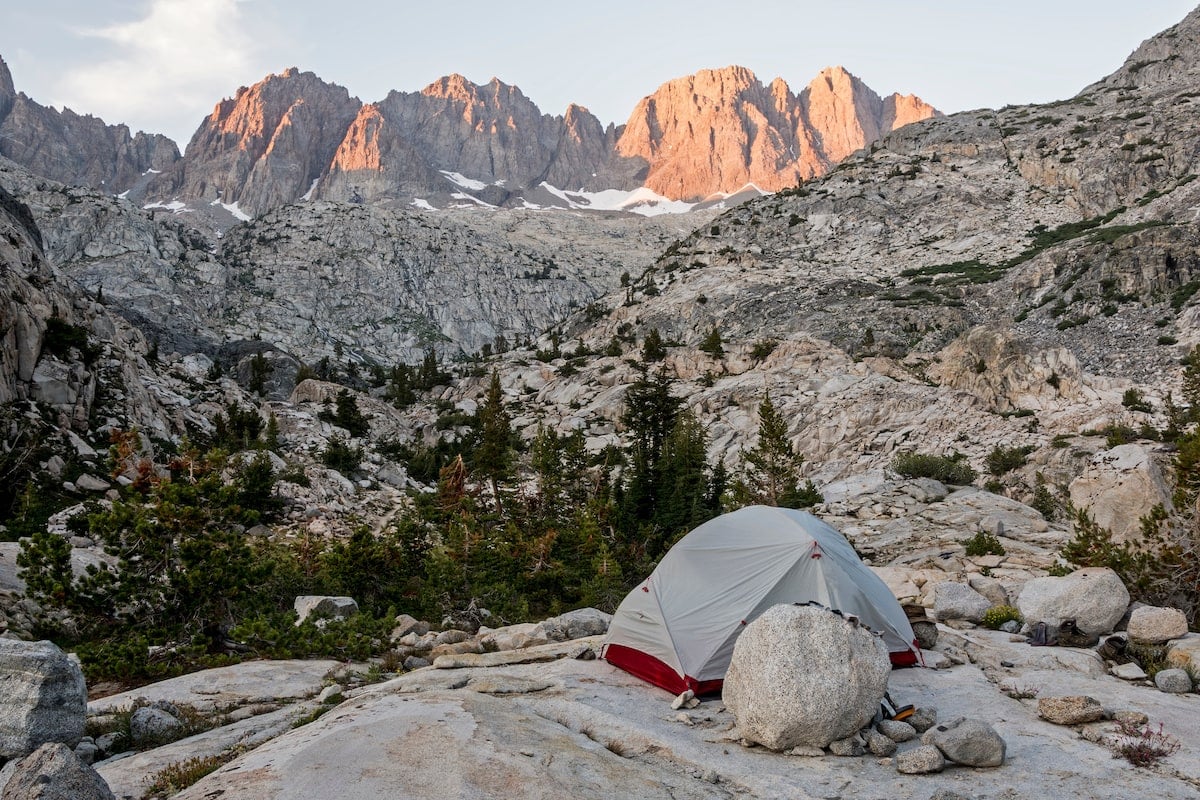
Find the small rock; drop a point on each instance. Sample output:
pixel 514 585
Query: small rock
pixel 851 746
pixel 897 730
pixel 879 744
pixel 970 742
pixel 807 751
pixel 920 761
pixel 926 634
pixel 451 636
pixel 90 483
pixel 1129 717
pixel 1070 710
pixel 1012 626
pixel 1173 681
pixel 711 776
pixel 330 691
pixel 416 662
pixel 406 624
pixel 923 719
pixel 682 700
pixel 685 718
pixel 1129 672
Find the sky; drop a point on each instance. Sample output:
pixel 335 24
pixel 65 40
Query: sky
pixel 161 65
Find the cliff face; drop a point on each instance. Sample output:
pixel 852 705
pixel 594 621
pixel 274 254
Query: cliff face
pixel 67 147
pixel 265 146
pixel 718 130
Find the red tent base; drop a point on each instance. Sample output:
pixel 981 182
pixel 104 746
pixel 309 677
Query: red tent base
pixel 652 670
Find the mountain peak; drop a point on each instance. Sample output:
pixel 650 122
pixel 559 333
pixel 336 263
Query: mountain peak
pixel 7 89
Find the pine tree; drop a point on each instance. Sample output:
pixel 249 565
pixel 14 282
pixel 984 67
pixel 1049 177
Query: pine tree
pixel 683 481
pixel 1191 383
pixel 771 469
pixel 649 417
pixel 348 415
pixel 653 348
pixel 712 344
pixel 493 457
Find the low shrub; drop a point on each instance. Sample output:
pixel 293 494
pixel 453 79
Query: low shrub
pixel 983 544
pixel 996 616
pixel 1143 746
pixel 947 469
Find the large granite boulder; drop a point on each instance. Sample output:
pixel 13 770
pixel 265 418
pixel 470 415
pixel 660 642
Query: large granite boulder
pixel 1155 625
pixel 958 601
pixel 802 675
pixel 43 697
pixel 324 606
pixel 1094 597
pixel 52 772
pixel 574 625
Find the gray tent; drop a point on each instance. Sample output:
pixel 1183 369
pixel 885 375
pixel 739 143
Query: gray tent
pixel 677 629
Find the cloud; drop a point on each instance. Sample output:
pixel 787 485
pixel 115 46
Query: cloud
pixel 162 71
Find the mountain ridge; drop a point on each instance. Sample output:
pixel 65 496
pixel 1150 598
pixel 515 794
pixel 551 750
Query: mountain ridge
pixel 294 136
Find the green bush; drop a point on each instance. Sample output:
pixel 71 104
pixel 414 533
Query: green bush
pixel 339 455
pixel 1006 459
pixel 948 469
pixel 983 544
pixel 996 616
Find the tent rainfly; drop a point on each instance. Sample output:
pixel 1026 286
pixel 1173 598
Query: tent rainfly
pixel 677 629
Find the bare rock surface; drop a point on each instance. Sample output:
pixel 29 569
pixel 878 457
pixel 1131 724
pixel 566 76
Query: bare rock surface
pixel 126 776
pixel 597 729
pixel 239 684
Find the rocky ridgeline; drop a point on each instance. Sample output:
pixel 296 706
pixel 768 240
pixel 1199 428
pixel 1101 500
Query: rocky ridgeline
pixel 77 149
pixel 294 136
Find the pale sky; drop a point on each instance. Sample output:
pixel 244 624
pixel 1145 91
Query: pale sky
pixel 161 65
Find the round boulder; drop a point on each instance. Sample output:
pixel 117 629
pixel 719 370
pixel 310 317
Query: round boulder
pixel 967 741
pixel 802 675
pixel 149 725
pixel 1174 681
pixel 1155 625
pixel 1094 597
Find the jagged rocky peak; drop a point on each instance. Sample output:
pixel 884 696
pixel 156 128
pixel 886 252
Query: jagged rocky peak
pixel 248 150
pixel 719 130
pixel 7 88
pixel 76 149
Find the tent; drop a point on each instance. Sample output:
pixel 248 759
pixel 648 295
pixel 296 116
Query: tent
pixel 677 629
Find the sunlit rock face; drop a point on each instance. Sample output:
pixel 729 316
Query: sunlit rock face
pixel 718 130
pixel 295 137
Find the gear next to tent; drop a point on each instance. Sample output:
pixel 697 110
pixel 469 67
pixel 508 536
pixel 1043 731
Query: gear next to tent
pixel 678 628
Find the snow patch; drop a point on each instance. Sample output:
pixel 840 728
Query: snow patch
pixel 458 179
pixel 175 207
pixel 152 172
pixel 232 208
pixel 476 200
pixel 308 195
pixel 124 195
pixel 642 201
pixel 421 202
